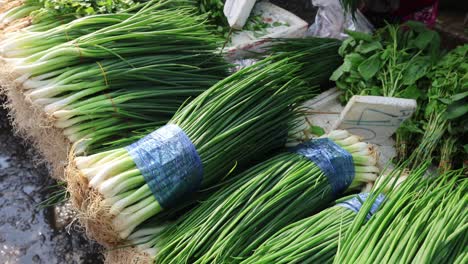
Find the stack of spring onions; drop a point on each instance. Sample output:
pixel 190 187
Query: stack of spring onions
pixel 127 73
pixel 316 239
pixel 237 121
pixel 423 221
pixel 13 10
pixel 25 43
pixel 238 218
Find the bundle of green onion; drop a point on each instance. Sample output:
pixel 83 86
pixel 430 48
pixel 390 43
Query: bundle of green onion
pixel 14 10
pixel 423 221
pixel 26 43
pixel 50 29
pixel 311 240
pixel 237 121
pixel 238 218
pixel 153 29
pixel 104 97
pixel 316 239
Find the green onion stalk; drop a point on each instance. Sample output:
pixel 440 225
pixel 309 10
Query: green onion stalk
pixel 423 221
pixel 155 23
pixel 108 97
pixel 100 102
pixel 311 240
pixel 25 43
pixel 14 10
pixel 316 239
pixel 50 29
pixel 237 121
pixel 237 219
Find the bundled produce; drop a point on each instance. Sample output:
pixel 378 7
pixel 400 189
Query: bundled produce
pixel 445 111
pixel 106 84
pixel 13 10
pixel 314 239
pixel 238 218
pixel 422 221
pixel 28 42
pixel 237 121
pixel 404 61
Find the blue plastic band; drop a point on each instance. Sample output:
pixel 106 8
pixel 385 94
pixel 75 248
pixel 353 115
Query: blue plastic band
pixel 335 162
pixel 354 204
pixel 170 164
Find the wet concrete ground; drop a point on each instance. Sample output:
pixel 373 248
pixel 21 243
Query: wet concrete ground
pixel 28 234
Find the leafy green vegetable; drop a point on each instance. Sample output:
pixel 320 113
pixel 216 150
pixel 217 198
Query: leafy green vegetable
pixel 405 61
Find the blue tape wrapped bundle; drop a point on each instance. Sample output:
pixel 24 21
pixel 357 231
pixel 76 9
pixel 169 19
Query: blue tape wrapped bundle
pixel 335 162
pixel 169 163
pixel 355 203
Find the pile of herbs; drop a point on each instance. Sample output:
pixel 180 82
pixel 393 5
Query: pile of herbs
pixel 406 61
pixel 215 11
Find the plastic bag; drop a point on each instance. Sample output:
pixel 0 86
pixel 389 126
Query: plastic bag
pixel 331 21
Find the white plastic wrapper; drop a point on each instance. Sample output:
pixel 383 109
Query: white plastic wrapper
pixel 331 21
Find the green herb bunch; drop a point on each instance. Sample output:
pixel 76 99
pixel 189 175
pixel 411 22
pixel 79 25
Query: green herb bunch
pixel 88 7
pixel 406 61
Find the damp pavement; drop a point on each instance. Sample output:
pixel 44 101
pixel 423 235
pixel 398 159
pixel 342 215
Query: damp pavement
pixel 29 233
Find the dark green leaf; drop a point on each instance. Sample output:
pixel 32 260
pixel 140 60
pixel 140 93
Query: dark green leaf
pixel 457 110
pixel 368 47
pixel 459 96
pixel 355 59
pixel 359 35
pixel 424 39
pixel 337 74
pixel 369 67
pixel 416 70
pixel 411 92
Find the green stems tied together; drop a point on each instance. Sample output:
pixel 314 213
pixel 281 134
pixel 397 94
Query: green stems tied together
pixel 238 218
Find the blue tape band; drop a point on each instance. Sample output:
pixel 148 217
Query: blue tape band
pixel 170 164
pixel 335 162
pixel 354 204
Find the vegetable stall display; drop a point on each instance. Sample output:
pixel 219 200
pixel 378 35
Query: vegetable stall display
pixel 237 121
pixel 232 223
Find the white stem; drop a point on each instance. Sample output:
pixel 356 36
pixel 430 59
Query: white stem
pixel 63 114
pixel 365 177
pixel 116 154
pixel 126 224
pixel 136 196
pixel 52 109
pixel 111 170
pixel 119 183
pixel 152 252
pixel 366 169
pixel 64 123
pixel 337 135
pixel 145 232
pixel 348 141
pixel 358 147
pixel 44 101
